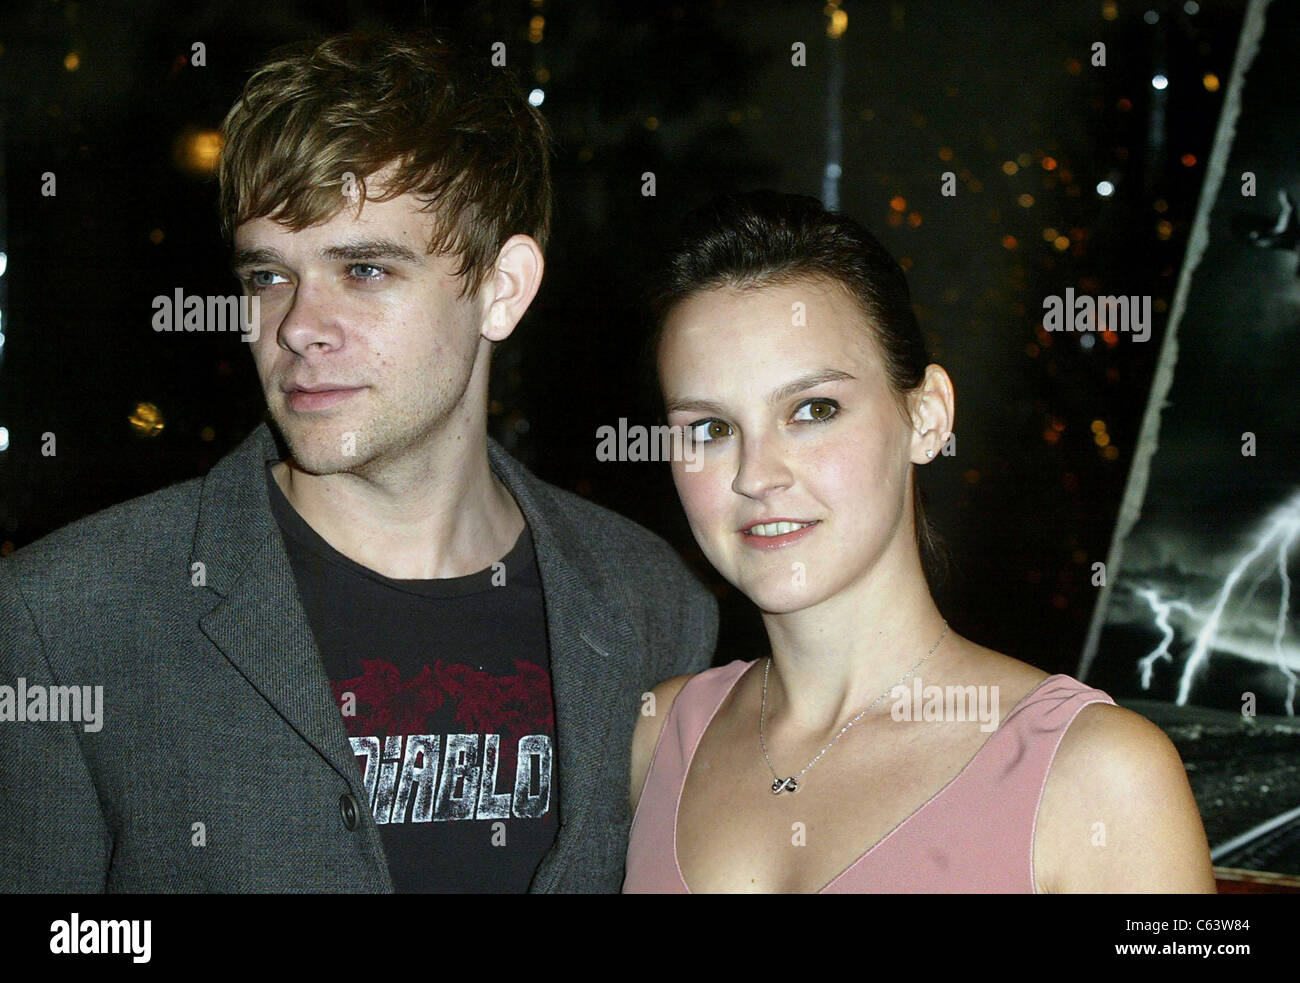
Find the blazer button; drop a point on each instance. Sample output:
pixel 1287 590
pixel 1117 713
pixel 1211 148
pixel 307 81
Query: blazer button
pixel 348 807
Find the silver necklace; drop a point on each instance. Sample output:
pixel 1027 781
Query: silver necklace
pixel 791 784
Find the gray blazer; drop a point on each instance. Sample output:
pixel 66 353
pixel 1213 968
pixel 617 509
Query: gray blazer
pixel 217 711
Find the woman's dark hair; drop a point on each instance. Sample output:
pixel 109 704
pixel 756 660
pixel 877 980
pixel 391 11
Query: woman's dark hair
pixel 765 238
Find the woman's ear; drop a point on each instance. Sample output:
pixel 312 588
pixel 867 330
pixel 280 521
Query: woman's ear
pixel 933 411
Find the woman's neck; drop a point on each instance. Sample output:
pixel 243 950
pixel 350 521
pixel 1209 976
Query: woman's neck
pixel 833 659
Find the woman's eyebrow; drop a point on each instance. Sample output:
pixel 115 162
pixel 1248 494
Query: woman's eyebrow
pixel 694 405
pixel 776 396
pixel 807 382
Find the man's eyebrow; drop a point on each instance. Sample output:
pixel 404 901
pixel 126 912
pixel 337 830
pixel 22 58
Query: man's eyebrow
pixel 363 249
pixel 254 257
pixel 357 251
pixel 776 396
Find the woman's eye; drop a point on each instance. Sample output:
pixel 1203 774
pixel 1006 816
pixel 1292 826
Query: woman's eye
pixel 816 410
pixel 708 430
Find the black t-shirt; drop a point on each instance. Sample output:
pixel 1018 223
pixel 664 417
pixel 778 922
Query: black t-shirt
pixel 445 690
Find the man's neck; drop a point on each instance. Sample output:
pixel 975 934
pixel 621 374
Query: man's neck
pixel 445 515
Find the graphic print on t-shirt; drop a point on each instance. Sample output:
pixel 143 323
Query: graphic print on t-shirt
pixel 497 766
pixel 444 689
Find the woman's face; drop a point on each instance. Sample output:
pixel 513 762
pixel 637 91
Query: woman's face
pixel 803 490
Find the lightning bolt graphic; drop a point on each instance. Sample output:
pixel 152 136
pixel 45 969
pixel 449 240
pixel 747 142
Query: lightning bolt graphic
pixel 1277 535
pixel 1161 609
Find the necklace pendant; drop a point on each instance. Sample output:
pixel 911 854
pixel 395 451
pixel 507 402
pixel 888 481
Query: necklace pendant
pixel 784 785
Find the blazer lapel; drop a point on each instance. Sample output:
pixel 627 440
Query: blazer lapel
pixel 262 629
pixel 593 652
pixel 259 623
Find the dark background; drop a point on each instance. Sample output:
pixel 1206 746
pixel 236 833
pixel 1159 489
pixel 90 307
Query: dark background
pixel 704 95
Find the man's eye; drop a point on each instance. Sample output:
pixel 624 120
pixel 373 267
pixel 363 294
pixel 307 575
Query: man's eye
pixel 816 410
pixel 255 279
pixel 369 271
pixel 707 430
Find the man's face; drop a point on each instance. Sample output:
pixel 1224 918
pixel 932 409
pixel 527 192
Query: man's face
pixel 366 350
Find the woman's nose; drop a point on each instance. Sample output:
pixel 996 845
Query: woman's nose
pixel 762 469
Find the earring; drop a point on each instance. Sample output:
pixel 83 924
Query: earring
pixel 929 453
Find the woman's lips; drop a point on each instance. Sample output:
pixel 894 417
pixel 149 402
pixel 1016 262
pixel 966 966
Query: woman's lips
pixel 776 539
pixel 305 402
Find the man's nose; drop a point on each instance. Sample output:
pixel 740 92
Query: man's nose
pixel 310 321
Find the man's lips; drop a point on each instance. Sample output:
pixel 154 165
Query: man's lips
pixel 318 388
pixel 319 396
pixel 776 532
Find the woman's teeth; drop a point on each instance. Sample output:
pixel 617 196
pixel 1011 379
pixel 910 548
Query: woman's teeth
pixel 776 528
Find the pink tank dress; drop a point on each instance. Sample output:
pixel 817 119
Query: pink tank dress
pixel 975 835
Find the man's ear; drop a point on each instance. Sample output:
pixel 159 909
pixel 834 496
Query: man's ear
pixel 933 409
pixel 512 286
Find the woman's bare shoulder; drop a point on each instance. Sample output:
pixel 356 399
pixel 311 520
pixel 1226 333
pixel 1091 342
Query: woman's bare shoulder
pixel 1117 813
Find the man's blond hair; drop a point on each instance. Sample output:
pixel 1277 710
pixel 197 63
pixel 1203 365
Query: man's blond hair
pixel 317 119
